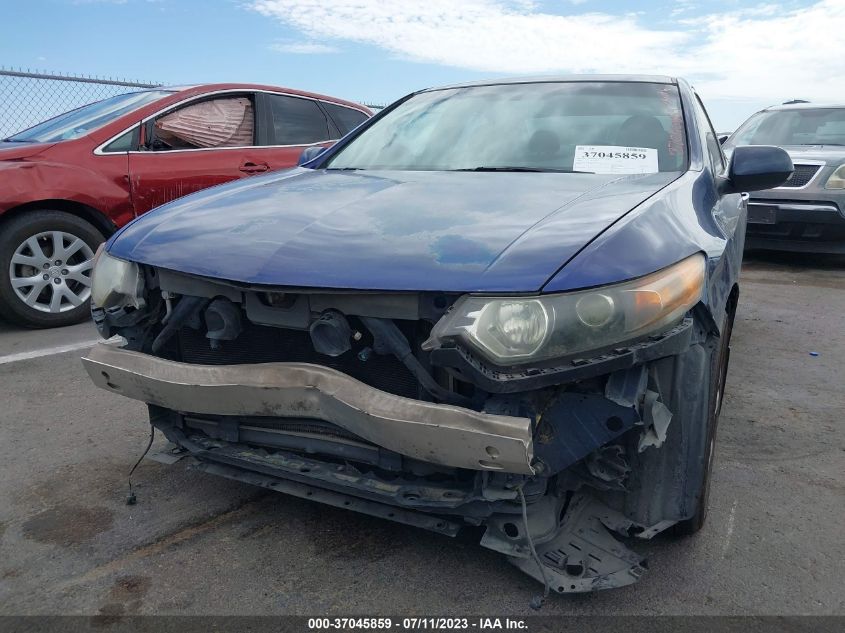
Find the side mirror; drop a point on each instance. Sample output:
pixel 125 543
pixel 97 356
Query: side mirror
pixel 723 138
pixel 309 154
pixel 756 167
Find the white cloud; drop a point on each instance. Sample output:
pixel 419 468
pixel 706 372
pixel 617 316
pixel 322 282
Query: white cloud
pixel 303 48
pixel 683 6
pixel 762 53
pixel 773 52
pixel 479 34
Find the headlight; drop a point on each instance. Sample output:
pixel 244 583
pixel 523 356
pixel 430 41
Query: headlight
pixel 514 330
pixel 116 283
pixel 837 179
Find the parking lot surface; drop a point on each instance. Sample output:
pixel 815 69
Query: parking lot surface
pixel 196 544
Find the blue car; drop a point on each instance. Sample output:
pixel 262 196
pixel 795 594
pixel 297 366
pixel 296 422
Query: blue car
pixel 504 304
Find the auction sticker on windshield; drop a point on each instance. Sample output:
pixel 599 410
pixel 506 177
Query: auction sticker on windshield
pixel 612 159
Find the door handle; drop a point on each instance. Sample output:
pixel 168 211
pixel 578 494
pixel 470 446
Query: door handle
pixel 253 168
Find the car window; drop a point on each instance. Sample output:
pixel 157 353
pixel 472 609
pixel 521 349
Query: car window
pixel 346 119
pixel 714 148
pixel 297 121
pixel 126 142
pixel 801 126
pixel 211 123
pixel 601 127
pixel 81 121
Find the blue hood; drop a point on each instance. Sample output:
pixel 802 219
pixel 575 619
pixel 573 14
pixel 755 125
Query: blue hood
pixel 416 231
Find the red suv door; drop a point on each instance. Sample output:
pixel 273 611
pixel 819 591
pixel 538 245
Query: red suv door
pixel 208 141
pixel 215 139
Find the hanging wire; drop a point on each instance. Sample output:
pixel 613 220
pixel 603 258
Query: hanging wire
pixel 536 601
pixel 131 500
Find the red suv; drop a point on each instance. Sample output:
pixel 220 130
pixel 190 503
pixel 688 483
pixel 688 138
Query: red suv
pixel 68 183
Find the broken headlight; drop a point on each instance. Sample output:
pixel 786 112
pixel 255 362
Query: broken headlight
pixel 516 330
pixel 116 283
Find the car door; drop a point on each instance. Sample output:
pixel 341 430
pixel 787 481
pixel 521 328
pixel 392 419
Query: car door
pixel 206 141
pixel 290 124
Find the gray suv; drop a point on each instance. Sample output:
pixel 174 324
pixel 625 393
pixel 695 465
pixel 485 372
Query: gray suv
pixel 807 212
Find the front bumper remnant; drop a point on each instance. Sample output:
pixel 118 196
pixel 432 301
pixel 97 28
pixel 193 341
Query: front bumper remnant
pixel 574 543
pixel 441 434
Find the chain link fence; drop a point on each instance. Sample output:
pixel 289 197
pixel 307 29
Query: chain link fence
pixel 28 98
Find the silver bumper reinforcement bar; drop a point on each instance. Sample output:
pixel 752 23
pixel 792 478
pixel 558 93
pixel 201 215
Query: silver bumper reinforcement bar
pixel 437 433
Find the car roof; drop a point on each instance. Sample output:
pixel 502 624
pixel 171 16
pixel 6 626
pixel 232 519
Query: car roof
pixel 197 89
pixel 656 79
pixel 806 106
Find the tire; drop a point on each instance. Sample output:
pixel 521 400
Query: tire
pixel 54 251
pixel 718 375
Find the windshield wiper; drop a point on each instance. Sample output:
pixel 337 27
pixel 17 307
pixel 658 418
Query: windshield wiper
pixel 15 140
pixel 483 168
pixel 526 169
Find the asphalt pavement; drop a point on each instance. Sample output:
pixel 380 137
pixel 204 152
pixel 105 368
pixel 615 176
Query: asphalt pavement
pixel 197 544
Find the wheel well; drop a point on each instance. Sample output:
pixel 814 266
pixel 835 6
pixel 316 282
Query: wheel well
pixel 89 214
pixel 733 300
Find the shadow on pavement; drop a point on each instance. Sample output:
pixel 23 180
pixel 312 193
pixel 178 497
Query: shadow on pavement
pixel 794 261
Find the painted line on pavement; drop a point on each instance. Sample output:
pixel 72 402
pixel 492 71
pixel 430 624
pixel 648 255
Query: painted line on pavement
pixel 58 349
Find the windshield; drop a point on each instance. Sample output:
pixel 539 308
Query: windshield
pixel 595 127
pixel 813 126
pixel 79 122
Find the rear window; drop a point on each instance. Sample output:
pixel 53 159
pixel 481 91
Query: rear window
pixel 346 119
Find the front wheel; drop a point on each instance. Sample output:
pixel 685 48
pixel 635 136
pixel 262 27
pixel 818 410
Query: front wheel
pixel 46 259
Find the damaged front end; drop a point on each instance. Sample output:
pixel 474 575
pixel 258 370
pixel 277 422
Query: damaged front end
pixel 368 401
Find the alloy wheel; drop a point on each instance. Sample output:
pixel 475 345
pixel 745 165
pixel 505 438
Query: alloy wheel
pixel 51 271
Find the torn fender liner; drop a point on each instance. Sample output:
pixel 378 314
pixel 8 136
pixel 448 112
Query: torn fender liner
pixel 437 433
pixel 581 554
pixel 657 419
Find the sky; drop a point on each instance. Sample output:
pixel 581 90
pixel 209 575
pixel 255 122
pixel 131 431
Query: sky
pixel 741 55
